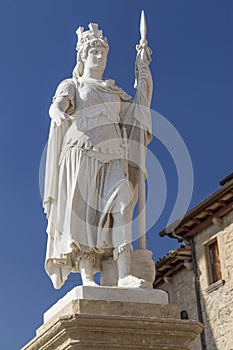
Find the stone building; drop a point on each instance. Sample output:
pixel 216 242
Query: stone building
pixel 198 276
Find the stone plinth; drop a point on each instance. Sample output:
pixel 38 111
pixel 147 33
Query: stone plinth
pixel 113 324
pixel 150 296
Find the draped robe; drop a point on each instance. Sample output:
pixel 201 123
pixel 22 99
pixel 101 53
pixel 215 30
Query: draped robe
pixel 88 177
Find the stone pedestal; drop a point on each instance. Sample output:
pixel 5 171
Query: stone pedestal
pixel 114 318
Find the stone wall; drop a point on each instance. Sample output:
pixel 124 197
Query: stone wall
pixel 181 291
pixel 217 298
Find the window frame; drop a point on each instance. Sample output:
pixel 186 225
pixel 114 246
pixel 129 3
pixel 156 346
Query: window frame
pixel 212 253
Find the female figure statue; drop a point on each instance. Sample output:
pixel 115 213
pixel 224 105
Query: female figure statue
pixel 90 188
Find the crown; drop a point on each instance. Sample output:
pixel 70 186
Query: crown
pixel 92 34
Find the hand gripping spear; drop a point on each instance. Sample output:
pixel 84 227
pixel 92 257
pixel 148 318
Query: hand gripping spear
pixel 143 58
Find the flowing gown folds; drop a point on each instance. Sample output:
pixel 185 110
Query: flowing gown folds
pixel 87 174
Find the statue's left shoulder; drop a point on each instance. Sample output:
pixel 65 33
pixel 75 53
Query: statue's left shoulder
pixel 118 90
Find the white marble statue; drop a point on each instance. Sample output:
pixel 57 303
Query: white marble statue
pixel 90 186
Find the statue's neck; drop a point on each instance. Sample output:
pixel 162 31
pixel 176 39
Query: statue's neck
pixel 93 74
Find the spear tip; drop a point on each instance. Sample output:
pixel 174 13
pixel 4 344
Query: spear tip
pixel 143 28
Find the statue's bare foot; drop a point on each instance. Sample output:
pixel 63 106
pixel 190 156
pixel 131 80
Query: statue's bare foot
pixel 132 282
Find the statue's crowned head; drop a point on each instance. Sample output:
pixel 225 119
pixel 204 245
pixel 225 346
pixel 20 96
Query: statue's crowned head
pixel 87 40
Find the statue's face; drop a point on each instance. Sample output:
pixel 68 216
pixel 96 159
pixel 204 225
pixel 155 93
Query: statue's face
pixel 96 58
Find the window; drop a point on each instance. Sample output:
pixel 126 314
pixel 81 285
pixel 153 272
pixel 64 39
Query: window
pixel 213 262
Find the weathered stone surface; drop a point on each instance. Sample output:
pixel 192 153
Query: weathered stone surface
pixel 217 305
pixel 216 298
pixel 148 296
pixel 98 324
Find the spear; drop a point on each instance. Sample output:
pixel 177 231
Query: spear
pixel 143 56
pixel 144 52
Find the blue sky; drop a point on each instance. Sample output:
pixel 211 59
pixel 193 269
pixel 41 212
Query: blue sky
pixel 193 88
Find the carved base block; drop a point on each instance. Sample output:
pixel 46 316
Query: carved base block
pixel 142 266
pixel 107 324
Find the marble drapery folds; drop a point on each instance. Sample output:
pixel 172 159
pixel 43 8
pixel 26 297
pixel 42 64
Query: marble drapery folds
pixel 87 174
